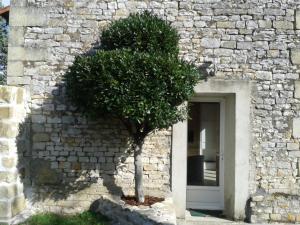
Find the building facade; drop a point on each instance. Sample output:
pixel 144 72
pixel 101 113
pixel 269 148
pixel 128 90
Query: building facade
pixel 250 51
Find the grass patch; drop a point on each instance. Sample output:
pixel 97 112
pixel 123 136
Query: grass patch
pixel 85 218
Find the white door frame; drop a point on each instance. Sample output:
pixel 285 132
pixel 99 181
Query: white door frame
pixel 219 191
pixel 236 183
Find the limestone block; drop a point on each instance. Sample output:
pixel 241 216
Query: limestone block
pixel 275 217
pixel 15 68
pixel 293 146
pixel 297 89
pixel 264 75
pixel 297 13
pixel 43 174
pixel 41 137
pixel 4 146
pixel 6 112
pixel 16 36
pixel 8 177
pixel 225 24
pixel 8 162
pixel 26 54
pixel 8 129
pixel 295 56
pixel 296 127
pixel 18 80
pixel 8 191
pixel 228 44
pixel 283 25
pixel 20 96
pixel 7 94
pixel 210 43
pixel 18 205
pixel 29 16
pixel 5 209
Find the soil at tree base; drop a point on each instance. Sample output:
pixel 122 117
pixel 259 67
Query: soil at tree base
pixel 149 200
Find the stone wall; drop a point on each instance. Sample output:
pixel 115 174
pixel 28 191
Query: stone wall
pixel 12 113
pixel 233 39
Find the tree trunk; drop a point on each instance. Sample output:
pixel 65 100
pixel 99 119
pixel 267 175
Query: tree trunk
pixel 138 166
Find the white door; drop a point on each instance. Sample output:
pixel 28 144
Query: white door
pixel 205 172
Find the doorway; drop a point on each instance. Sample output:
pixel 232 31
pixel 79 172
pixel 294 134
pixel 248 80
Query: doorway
pixel 205 154
pixel 237 136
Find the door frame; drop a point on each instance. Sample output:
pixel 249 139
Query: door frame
pixel 236 182
pixel 220 188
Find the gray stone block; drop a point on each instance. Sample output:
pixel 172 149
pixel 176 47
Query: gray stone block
pixel 24 17
pixel 297 19
pixel 15 69
pixel 295 56
pixel 26 54
pixel 16 36
pixel 297 89
pixel 296 127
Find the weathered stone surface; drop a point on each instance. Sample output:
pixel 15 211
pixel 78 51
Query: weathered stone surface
pixel 297 89
pixel 8 177
pixel 18 205
pixel 26 54
pixel 296 127
pixel 6 112
pixel 210 43
pixel 237 40
pixel 8 129
pixel 8 162
pixel 27 16
pixel 295 56
pixel 12 112
pixel 43 174
pixel 297 19
pixel 15 69
pixel 285 25
pixel 8 191
pixel 16 38
pixel 5 210
pixel 293 146
pixel 264 75
pixel 41 137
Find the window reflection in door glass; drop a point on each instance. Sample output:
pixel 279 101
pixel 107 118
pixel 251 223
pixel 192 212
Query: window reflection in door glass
pixel 203 144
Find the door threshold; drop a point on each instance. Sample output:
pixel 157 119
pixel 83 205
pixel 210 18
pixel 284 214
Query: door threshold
pixel 190 216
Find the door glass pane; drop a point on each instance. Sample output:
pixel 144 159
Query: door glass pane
pixel 203 144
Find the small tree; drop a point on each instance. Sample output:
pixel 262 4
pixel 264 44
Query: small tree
pixel 138 78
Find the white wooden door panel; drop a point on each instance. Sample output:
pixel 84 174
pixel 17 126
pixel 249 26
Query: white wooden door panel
pixel 210 197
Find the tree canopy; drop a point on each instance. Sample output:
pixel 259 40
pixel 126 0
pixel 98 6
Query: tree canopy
pixel 138 77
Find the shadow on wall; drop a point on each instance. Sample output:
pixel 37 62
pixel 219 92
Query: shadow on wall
pixel 62 153
pixel 66 159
